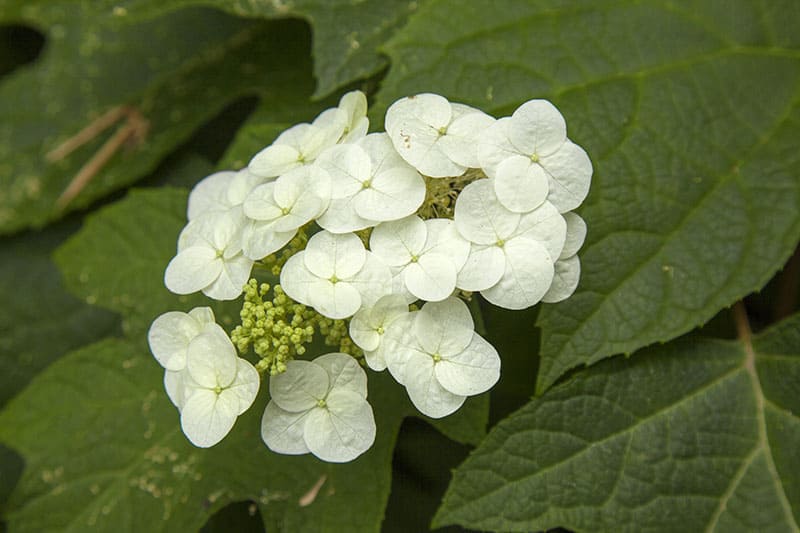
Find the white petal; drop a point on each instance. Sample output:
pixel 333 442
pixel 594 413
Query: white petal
pixel 300 387
pixel 259 239
pixel 537 127
pixel 565 281
pixel 528 275
pixel 241 186
pixel 474 370
pixel 169 337
pixel 260 203
pixel 211 358
pixel 545 225
pixel 210 194
pixel 373 281
pixel 375 359
pixel 462 136
pixel 173 384
pixel 484 267
pixel 334 300
pixel 396 242
pixel 344 373
pixel 343 430
pixel 296 278
pixel 425 391
pixel 192 269
pixel 427 108
pixel 431 278
pixel 479 215
pixel 520 184
pixel 245 385
pixel 207 417
pixel 348 166
pixel 204 315
pixel 341 217
pixel 230 283
pixel 275 160
pixel 329 254
pixel 570 174
pixel 444 239
pixel 328 128
pixel 494 146
pixel 393 194
pixel 282 431
pixel 444 328
pixel 354 105
pixel 576 234
pixel 363 333
pixel 381 152
pixel 399 345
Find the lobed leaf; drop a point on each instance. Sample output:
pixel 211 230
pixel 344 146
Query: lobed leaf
pixel 691 436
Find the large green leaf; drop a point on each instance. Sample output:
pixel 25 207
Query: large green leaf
pixel 692 436
pixel 178 70
pixel 347 34
pixel 39 320
pixel 689 111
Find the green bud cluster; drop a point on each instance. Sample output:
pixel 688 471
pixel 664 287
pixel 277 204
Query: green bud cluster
pixel 440 198
pixel 278 329
pixel 336 334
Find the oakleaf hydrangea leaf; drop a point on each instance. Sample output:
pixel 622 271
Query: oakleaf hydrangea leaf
pixel 689 115
pixel 209 65
pixel 692 436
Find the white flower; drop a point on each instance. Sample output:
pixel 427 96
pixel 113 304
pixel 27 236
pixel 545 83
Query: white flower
pixel 335 275
pixel 436 137
pixel 532 159
pixel 370 183
pixel 352 112
pixel 512 255
pixel 300 145
pixel 210 257
pixel 277 209
pixel 170 334
pixel 438 357
pixel 214 389
pixel 320 407
pixel 430 252
pixel 220 192
pixel 370 324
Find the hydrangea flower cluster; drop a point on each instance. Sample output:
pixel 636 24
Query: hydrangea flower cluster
pixel 377 240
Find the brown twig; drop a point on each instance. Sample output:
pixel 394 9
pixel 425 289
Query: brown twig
pixel 132 132
pixel 95 128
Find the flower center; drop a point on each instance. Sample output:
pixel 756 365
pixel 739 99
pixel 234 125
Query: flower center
pixel 436 357
pixel 366 184
pixel 535 158
pixel 414 258
pixel 500 243
pixel 442 130
pixel 321 403
pixel 333 279
pixel 380 330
